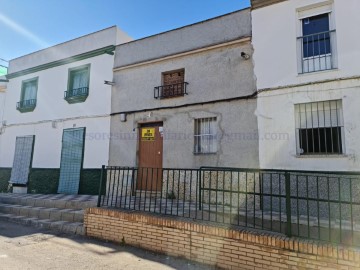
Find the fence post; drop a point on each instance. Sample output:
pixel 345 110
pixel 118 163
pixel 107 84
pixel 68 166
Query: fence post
pixel 288 204
pixel 100 186
pixel 199 183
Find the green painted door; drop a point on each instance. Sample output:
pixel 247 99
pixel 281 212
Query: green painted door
pixel 71 160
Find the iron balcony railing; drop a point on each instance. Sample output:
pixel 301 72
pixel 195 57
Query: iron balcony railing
pixel 317 51
pixel 169 91
pixel 83 91
pixel 26 105
pixel 314 205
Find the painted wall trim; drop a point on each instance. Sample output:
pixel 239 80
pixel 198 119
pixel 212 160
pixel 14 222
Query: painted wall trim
pixel 181 54
pixel 253 95
pixel 105 50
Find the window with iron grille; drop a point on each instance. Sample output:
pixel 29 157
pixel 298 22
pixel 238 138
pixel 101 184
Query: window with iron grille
pixel 317 44
pixel 78 84
pixel 28 95
pixel 205 136
pixel 173 85
pixel 320 128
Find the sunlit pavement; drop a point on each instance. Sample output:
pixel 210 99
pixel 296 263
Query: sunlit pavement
pixel 32 248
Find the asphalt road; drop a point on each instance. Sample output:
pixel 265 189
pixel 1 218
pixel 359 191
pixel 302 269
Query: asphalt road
pixel 24 247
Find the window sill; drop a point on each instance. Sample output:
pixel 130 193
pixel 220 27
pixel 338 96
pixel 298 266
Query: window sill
pixel 26 109
pixel 322 156
pixel 204 154
pixel 318 72
pixel 76 99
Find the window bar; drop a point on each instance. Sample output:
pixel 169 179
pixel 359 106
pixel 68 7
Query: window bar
pixel 331 130
pixel 319 48
pixel 331 47
pixel 307 50
pixel 326 147
pixel 326 49
pixel 312 127
pixel 338 127
pixel 313 53
pixel 302 54
pixel 318 124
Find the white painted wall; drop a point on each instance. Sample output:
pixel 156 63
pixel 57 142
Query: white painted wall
pixel 275 29
pixel 51 106
pixel 275 59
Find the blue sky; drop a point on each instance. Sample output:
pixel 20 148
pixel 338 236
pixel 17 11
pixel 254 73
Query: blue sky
pixel 31 25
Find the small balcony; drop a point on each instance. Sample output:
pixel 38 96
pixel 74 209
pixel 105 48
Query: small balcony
pixel 76 95
pixel 170 91
pixel 317 52
pixel 26 105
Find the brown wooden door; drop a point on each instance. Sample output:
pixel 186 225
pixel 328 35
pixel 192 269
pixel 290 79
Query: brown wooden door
pixel 150 157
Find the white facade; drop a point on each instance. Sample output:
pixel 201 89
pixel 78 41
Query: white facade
pixel 282 85
pixel 53 113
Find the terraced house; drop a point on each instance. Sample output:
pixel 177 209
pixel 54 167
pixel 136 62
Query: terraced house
pixel 185 98
pixel 56 113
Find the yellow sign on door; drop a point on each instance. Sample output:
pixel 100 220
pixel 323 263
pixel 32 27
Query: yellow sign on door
pixel 148 134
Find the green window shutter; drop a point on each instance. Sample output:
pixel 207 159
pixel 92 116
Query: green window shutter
pixel 22 159
pixel 71 160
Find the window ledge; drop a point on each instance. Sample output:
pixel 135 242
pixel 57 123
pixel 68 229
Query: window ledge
pixel 203 154
pixel 76 99
pixel 322 156
pixel 318 72
pixel 26 109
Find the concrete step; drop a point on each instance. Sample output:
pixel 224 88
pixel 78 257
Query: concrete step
pixel 59 201
pixel 60 226
pixel 54 214
pixel 148 194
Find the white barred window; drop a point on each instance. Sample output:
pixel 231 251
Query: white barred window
pixel 320 128
pixel 205 136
